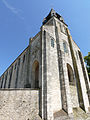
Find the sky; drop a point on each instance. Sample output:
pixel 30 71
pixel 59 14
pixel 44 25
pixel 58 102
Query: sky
pixel 22 19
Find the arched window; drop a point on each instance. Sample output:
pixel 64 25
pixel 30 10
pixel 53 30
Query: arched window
pixel 70 75
pixel 65 47
pixel 35 74
pixel 52 42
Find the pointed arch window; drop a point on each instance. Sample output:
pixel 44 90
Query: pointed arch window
pixel 52 42
pixel 35 74
pixel 70 75
pixel 65 47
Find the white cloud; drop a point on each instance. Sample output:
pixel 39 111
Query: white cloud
pixel 13 10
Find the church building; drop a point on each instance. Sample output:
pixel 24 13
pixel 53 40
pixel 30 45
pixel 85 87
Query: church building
pixel 50 74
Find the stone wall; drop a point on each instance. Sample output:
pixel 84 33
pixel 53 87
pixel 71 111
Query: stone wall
pixel 21 104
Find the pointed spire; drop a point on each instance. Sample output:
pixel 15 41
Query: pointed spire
pixel 52 12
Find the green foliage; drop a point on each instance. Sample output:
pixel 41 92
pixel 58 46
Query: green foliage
pixel 87 61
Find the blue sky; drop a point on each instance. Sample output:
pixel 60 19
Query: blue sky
pixel 22 19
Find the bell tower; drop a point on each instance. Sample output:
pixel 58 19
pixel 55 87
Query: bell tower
pixel 65 83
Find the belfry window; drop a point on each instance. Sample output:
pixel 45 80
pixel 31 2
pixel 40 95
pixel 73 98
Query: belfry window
pixel 52 43
pixel 65 47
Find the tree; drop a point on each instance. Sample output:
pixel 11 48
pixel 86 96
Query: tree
pixel 87 61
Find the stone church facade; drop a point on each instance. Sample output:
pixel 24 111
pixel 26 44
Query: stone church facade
pixel 49 78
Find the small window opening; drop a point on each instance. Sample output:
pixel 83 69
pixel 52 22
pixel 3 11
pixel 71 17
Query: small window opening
pixel 65 47
pixel 52 43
